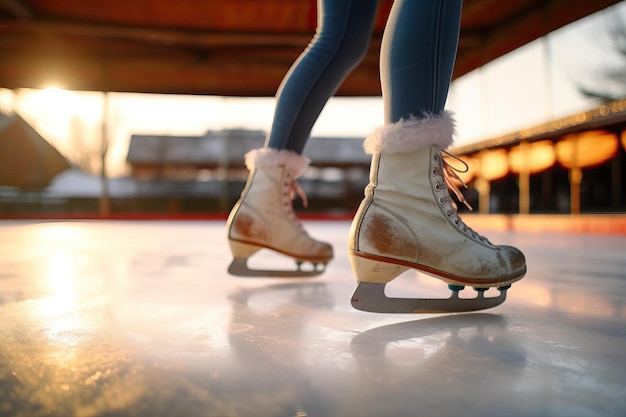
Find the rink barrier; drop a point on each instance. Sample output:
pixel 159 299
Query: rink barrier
pixel 606 224
pixel 611 224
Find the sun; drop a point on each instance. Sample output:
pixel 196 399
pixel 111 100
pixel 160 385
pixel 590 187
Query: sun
pixel 57 97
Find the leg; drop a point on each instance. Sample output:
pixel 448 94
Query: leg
pixel 343 34
pixel 263 217
pixel 417 57
pixel 408 219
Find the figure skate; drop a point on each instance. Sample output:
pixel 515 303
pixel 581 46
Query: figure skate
pixel 408 220
pixel 264 218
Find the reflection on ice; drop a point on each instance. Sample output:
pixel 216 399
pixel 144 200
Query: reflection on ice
pixel 480 334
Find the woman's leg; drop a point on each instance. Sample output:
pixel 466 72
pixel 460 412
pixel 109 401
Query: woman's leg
pixel 342 38
pixel 417 57
pixel 408 219
pixel 263 217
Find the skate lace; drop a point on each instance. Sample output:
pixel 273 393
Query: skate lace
pixel 295 188
pixel 450 176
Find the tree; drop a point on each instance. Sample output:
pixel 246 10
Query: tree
pixel 84 153
pixel 610 83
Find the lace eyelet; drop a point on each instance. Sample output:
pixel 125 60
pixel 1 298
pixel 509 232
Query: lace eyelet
pixel 441 200
pixel 437 186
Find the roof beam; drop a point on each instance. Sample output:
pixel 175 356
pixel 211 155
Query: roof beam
pixel 169 37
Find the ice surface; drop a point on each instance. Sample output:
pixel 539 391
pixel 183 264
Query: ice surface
pixel 140 318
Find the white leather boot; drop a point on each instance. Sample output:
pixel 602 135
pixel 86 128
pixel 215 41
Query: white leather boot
pixel 408 219
pixel 264 218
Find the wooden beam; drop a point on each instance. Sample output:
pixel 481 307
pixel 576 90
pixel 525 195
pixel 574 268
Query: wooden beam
pixel 237 56
pixel 111 64
pixel 158 36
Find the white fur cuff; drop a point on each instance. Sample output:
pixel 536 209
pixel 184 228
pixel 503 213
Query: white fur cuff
pixel 268 157
pixel 407 135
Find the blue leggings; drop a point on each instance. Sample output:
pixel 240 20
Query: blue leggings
pixel 416 63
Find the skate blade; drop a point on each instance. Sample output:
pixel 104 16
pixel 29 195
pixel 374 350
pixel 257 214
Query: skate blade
pixel 239 267
pixel 370 296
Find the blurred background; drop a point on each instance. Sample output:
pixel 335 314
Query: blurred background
pixel 112 110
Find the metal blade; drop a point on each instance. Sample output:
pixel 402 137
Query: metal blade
pixel 239 267
pixel 370 296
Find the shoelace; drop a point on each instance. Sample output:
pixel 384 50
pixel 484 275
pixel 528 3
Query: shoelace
pixel 294 189
pixel 450 174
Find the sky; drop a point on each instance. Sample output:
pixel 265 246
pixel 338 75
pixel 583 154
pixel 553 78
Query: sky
pixel 530 86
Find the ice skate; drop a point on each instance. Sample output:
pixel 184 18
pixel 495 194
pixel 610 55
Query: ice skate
pixel 263 218
pixel 408 220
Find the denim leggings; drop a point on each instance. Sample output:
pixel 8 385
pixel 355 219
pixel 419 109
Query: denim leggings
pixel 416 62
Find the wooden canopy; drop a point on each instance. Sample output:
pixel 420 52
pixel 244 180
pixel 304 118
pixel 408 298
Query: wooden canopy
pixel 224 47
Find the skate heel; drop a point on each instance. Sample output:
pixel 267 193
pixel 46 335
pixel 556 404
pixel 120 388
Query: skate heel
pixel 242 250
pixel 371 270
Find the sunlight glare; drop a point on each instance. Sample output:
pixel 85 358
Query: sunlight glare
pixel 57 97
pixel 61 261
pixel 61 284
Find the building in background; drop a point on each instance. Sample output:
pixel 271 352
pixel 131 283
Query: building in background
pixel 570 165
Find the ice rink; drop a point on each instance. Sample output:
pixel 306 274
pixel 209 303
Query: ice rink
pixel 140 318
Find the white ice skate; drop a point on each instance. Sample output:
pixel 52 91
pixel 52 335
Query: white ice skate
pixel 409 221
pixel 264 218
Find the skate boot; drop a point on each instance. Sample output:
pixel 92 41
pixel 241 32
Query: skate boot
pixel 264 218
pixel 408 220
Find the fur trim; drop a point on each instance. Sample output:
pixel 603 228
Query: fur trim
pixel 268 158
pixel 407 135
